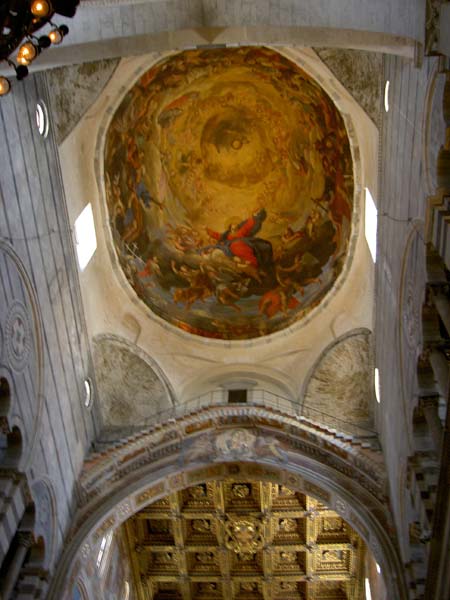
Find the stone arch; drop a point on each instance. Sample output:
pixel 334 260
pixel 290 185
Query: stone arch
pixel 9 413
pixel 338 389
pixel 427 378
pixel 410 305
pixel 5 397
pixel 23 357
pixel 11 441
pixel 13 481
pixel 258 443
pixel 19 525
pixel 13 446
pixel 433 128
pixel 46 518
pixel 79 591
pixel 11 427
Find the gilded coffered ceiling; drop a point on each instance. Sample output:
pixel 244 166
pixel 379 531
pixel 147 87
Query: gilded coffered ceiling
pixel 244 540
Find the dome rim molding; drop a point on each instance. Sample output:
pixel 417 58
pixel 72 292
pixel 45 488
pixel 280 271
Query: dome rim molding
pixel 307 60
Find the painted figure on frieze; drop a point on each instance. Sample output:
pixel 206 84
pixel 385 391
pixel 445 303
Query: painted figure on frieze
pixel 229 186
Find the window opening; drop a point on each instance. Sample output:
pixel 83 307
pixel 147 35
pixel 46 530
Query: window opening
pixel 237 396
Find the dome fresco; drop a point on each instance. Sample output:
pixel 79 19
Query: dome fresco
pixel 229 187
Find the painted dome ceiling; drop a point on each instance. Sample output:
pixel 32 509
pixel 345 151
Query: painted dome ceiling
pixel 229 186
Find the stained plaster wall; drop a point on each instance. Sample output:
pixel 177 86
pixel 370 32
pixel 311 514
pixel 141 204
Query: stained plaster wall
pixel 360 73
pixel 130 392
pixel 74 88
pixel 194 365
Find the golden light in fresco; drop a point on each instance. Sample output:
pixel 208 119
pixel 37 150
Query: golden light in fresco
pixel 230 189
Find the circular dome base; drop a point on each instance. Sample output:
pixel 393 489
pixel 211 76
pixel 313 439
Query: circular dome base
pixel 229 186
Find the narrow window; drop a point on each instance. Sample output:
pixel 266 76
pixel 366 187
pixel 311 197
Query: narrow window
pixel 371 223
pixel 85 238
pixel 237 396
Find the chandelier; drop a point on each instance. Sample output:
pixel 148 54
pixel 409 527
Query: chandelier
pixel 20 20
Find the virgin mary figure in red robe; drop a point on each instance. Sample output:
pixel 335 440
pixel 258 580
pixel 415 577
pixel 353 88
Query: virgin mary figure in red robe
pixel 239 240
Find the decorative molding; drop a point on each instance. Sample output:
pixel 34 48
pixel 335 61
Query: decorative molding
pixel 24 324
pixel 368 515
pixel 410 301
pixel 46 516
pixel 181 438
pixel 219 443
pixel 18 336
pixel 432 28
pixel 104 527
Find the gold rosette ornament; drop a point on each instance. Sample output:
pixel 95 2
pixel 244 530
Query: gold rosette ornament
pixel 244 535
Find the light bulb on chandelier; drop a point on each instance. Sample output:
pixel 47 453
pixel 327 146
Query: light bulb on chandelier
pixel 40 8
pixel 57 34
pixel 27 53
pixel 5 85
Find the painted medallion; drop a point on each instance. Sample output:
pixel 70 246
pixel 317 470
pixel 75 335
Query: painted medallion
pixel 229 186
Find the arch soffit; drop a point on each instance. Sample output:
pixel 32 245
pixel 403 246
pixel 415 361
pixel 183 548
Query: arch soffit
pixel 309 36
pixel 189 437
pixel 218 448
pixel 247 376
